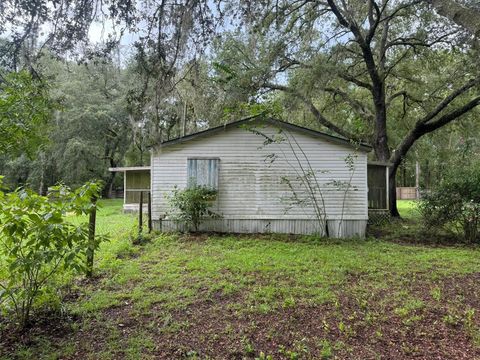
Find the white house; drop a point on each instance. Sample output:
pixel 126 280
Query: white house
pixel 271 176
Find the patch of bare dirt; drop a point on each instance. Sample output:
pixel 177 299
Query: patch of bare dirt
pixel 221 333
pixel 361 324
pixel 50 325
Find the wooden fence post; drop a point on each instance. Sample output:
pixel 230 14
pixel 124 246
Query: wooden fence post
pixel 140 213
pixel 91 237
pixel 149 211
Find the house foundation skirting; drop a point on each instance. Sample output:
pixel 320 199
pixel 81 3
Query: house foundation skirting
pixel 337 228
pixel 379 216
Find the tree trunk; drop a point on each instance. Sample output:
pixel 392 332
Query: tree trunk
pixel 184 119
pixel 107 189
pixel 382 153
pixel 392 191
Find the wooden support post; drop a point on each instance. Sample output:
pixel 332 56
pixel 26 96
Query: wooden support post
pixel 91 237
pixel 149 211
pixel 140 213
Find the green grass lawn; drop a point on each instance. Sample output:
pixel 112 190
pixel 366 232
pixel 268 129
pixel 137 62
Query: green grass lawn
pixel 111 220
pixel 264 297
pixel 408 209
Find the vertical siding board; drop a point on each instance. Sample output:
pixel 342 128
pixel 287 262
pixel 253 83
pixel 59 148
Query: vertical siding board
pixel 348 228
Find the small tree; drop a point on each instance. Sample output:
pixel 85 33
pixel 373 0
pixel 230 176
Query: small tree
pixel 454 204
pixel 37 242
pixel 192 205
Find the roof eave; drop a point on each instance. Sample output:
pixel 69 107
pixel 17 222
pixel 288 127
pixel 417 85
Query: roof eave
pixel 275 122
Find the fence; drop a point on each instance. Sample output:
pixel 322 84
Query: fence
pixel 407 193
pixel 116 193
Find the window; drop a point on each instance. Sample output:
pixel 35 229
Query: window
pixel 203 172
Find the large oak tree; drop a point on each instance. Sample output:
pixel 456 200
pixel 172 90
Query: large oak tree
pixel 373 58
pixel 370 56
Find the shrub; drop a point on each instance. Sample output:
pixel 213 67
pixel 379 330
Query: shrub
pixel 192 205
pixel 37 243
pixel 454 203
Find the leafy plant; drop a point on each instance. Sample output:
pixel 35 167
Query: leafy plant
pixel 37 242
pixel 192 205
pixel 454 203
pixel 25 108
pixel 248 346
pixel 263 356
pixel 326 351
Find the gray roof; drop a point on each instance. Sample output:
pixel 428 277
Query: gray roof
pixel 271 121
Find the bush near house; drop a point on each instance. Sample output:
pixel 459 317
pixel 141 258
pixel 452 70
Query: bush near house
pixel 192 205
pixel 454 204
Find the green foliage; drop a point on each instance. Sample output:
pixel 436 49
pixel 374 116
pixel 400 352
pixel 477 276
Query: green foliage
pixel 326 351
pixel 90 133
pixel 25 108
pixel 37 243
pixel 150 285
pixel 192 205
pixel 454 203
pixel 408 209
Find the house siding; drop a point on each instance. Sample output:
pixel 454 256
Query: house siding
pixel 251 194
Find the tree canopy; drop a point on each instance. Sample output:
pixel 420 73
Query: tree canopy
pixel 25 108
pixel 387 71
pixel 392 65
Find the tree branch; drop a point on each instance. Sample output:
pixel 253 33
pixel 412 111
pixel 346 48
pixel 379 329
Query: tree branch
pixel 405 95
pixel 346 22
pixel 321 119
pixel 445 119
pixel 422 128
pixel 395 12
pixel 355 104
pixel 449 99
pixel 356 81
pixel 373 21
pixel 377 84
pixel 413 42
